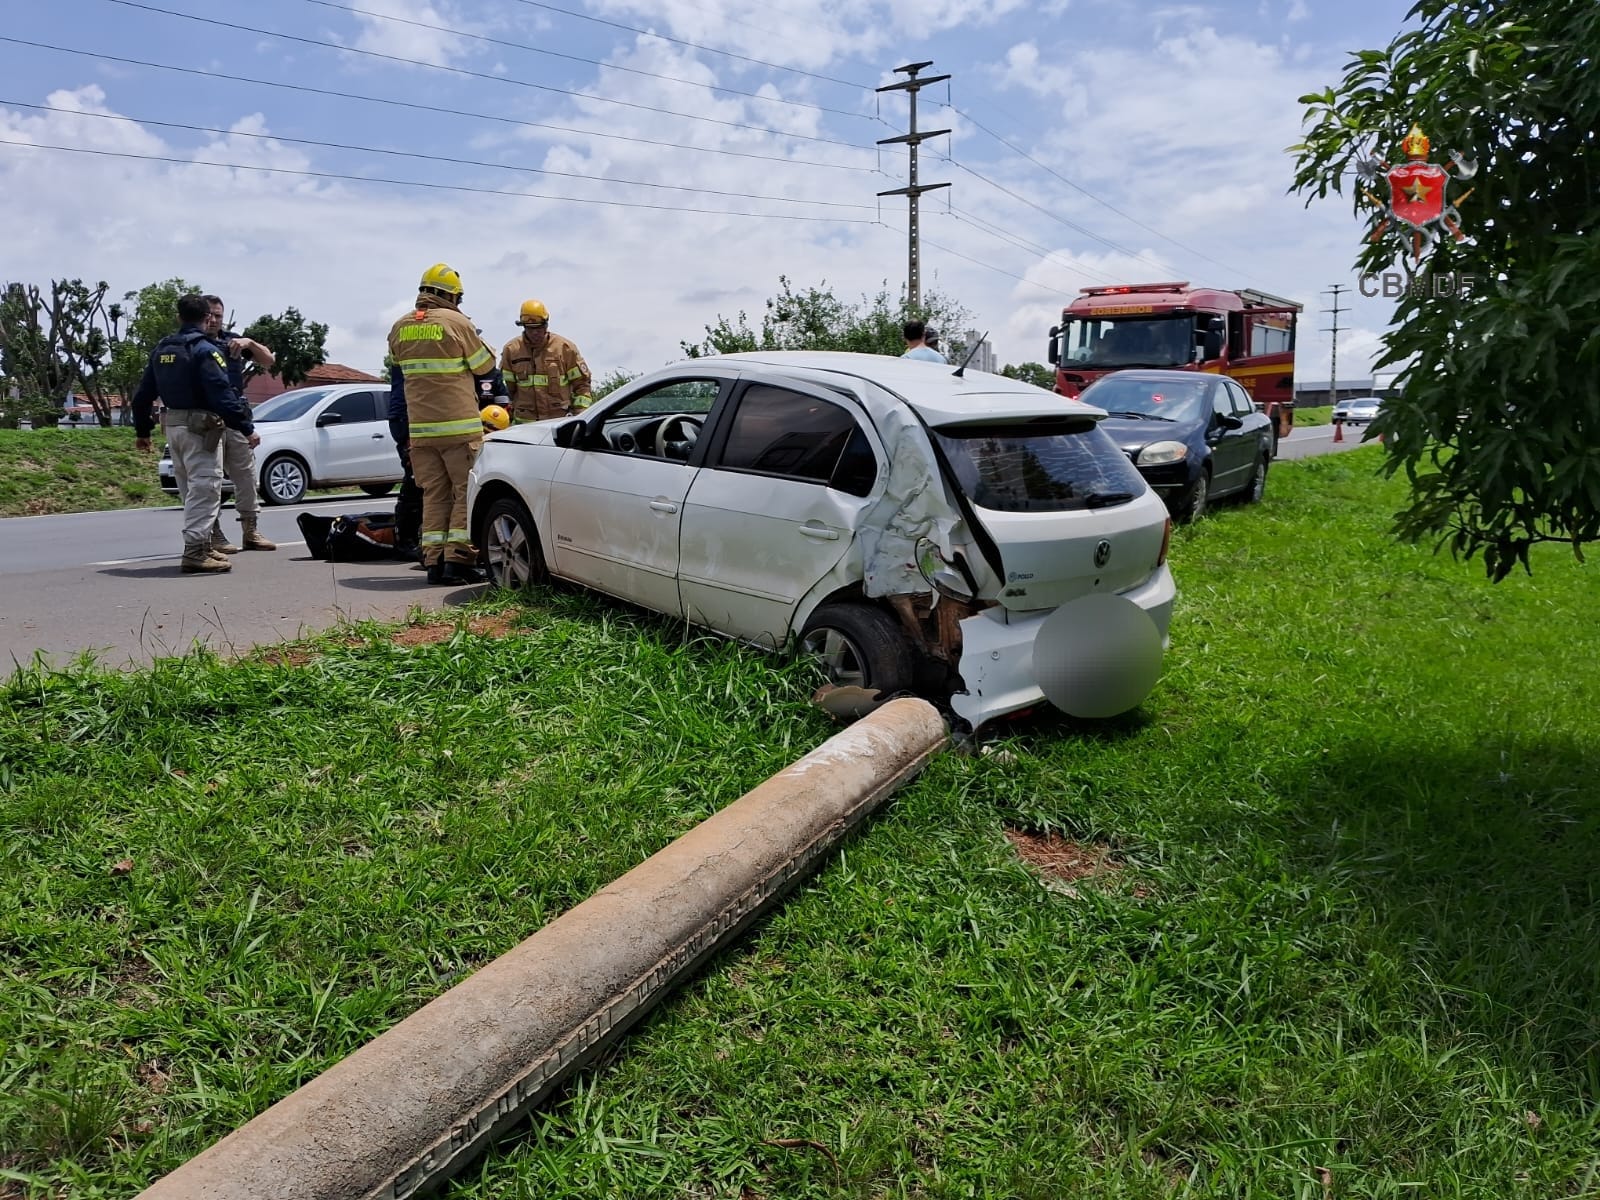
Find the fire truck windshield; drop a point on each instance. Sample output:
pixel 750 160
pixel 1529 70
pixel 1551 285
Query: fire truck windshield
pixel 1107 342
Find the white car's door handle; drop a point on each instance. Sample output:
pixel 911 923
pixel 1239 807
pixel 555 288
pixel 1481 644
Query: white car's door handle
pixel 821 534
pixel 663 506
pixel 376 436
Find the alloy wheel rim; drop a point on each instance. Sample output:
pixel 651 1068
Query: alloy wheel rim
pixel 838 655
pixel 285 480
pixel 510 560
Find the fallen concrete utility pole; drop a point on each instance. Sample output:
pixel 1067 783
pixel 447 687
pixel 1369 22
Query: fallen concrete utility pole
pixel 413 1106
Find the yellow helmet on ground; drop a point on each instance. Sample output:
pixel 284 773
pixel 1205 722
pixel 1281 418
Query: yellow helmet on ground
pixel 494 417
pixel 533 311
pixel 441 277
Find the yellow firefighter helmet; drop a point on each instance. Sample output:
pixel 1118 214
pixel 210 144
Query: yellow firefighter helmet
pixel 533 311
pixel 441 277
pixel 494 417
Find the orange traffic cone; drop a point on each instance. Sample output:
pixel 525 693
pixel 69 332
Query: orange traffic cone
pixel 1338 431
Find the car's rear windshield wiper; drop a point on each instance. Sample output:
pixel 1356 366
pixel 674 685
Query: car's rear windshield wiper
pixel 1106 499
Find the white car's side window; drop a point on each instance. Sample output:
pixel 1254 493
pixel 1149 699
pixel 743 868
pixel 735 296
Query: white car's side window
pixel 357 407
pixel 664 422
pixel 779 432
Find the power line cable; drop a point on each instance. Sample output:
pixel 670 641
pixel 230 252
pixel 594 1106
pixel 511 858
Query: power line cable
pixel 431 108
pixel 464 162
pixel 1084 230
pixel 594 62
pixel 998 270
pixel 986 226
pixel 695 45
pixel 417 183
pixel 978 262
pixel 1085 191
pixel 485 75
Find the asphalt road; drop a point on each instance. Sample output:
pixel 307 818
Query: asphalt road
pixel 1308 441
pixel 109 582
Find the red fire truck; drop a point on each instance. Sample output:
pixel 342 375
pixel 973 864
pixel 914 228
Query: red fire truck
pixel 1247 335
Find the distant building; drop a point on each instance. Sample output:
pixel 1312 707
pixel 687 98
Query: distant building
pixel 983 360
pixel 1313 393
pixel 265 387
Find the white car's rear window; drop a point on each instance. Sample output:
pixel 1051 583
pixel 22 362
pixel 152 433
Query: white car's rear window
pixel 1052 466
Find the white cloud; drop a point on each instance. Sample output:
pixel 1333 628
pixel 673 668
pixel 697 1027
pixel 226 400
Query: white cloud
pixel 411 41
pixel 629 283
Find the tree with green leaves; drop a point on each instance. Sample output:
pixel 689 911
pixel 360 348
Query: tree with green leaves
pixel 152 313
pixel 1031 372
pixel 1496 416
pixel 815 318
pixel 299 345
pixel 59 343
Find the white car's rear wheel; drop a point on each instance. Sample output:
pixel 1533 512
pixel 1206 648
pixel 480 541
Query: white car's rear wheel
pixel 511 545
pixel 860 646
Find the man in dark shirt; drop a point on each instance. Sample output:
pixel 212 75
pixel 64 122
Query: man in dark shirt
pixel 238 458
pixel 190 376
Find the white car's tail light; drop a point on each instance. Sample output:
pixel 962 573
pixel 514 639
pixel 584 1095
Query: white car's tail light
pixel 1166 540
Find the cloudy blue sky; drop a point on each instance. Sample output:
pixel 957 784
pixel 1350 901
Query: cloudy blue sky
pixel 645 166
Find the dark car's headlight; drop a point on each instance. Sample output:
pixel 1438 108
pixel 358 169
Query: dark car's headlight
pixel 1158 454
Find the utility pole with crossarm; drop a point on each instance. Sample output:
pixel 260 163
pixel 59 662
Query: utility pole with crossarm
pixel 1337 292
pixel 913 139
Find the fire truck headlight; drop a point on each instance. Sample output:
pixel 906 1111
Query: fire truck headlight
pixel 1159 453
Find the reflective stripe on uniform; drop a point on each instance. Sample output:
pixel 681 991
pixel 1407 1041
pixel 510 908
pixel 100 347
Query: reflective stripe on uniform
pixel 582 401
pixel 480 360
pixel 458 535
pixel 425 429
pixel 575 373
pixel 431 366
pixel 432 538
pixel 533 380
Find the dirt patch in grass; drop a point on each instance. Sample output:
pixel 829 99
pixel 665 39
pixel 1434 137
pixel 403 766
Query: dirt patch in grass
pixel 40 506
pixel 496 625
pixel 1056 857
pixel 287 656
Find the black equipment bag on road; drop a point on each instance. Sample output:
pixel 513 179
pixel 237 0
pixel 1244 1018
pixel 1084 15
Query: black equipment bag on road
pixel 350 537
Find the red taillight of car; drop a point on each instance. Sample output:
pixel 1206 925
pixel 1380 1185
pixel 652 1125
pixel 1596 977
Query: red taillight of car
pixel 1166 540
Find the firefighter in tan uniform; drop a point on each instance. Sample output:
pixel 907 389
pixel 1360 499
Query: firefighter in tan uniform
pixel 439 360
pixel 544 374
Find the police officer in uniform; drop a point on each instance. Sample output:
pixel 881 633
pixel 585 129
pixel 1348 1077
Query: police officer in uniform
pixel 545 375
pixel 189 374
pixel 238 458
pixel 439 365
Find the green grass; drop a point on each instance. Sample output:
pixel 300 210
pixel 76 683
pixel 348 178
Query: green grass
pixel 1322 415
pixel 1355 929
pixel 47 471
pixel 77 470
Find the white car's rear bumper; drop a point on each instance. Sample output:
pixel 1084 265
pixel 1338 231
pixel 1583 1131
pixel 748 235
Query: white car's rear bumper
pixel 997 652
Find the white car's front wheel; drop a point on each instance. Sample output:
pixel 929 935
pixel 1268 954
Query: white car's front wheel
pixel 511 545
pixel 284 480
pixel 860 646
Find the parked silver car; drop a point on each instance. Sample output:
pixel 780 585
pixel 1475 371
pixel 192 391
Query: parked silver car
pixel 319 437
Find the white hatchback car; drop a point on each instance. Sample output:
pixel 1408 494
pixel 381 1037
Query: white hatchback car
pixel 319 437
pixel 970 538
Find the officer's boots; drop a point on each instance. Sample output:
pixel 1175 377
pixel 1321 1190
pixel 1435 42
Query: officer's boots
pixel 252 535
pixel 219 541
pixel 200 559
